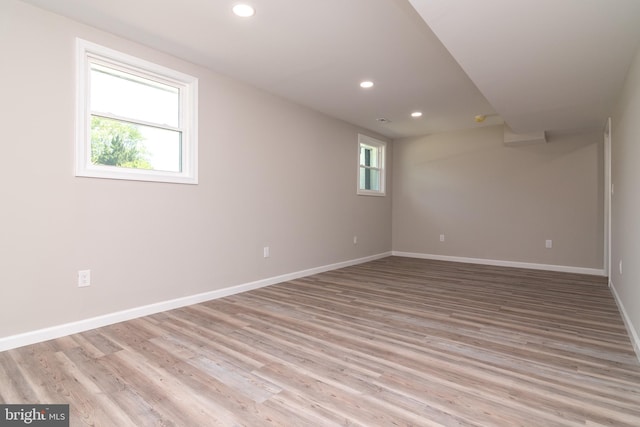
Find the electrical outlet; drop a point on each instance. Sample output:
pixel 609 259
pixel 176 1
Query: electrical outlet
pixel 548 244
pixel 84 278
pixel 355 240
pixel 620 266
pixel 442 237
pixel 265 252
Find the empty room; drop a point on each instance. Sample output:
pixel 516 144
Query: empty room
pixel 314 213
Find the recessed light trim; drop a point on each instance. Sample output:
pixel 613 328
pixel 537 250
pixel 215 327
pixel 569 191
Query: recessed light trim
pixel 366 84
pixel 416 114
pixel 243 10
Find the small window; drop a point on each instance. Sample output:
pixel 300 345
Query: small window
pixel 136 120
pixel 371 166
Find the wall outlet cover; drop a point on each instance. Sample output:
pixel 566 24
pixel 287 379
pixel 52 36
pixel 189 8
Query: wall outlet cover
pixel 84 278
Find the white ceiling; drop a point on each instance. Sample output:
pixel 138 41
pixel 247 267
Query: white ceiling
pixel 554 65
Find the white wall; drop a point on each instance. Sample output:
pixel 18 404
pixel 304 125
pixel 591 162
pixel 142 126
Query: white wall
pixel 625 201
pixel 271 173
pixel 499 203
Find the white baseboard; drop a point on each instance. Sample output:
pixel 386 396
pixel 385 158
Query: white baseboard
pixel 534 266
pixel 633 334
pixel 19 340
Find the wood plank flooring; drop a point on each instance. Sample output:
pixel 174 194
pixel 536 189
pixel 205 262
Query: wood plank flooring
pixel 393 342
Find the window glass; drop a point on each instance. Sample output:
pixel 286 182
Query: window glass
pixel 128 96
pixel 122 144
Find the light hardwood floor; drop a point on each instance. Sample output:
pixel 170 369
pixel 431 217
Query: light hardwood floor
pixel 396 341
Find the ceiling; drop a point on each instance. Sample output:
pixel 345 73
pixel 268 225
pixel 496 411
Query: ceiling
pixel 552 65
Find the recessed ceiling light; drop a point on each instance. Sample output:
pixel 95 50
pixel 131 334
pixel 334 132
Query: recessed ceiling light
pixel 416 114
pixel 244 10
pixel 366 84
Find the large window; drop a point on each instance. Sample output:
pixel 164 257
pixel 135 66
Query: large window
pixel 136 120
pixel 371 166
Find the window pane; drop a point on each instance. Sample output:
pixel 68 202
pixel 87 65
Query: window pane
pixel 365 155
pixel 368 155
pixel 127 145
pixel 127 95
pixel 369 179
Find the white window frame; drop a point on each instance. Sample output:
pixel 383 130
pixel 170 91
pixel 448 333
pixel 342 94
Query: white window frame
pixel 86 52
pixel 381 146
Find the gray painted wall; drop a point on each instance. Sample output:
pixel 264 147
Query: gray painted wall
pixel 625 201
pixel 500 203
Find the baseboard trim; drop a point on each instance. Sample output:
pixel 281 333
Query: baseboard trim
pixel 499 263
pixel 631 331
pixel 40 335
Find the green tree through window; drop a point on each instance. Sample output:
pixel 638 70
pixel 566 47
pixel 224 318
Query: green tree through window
pixel 114 143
